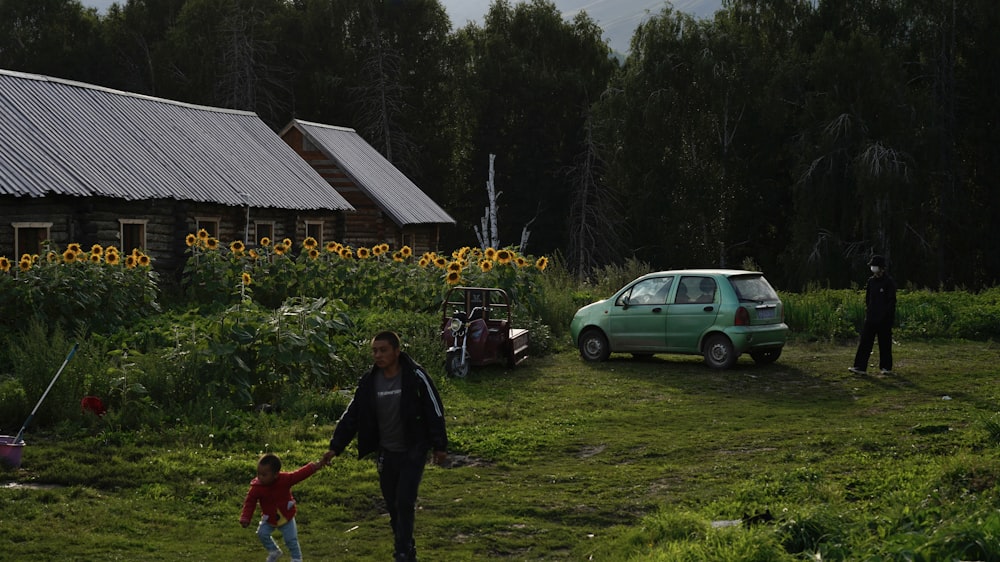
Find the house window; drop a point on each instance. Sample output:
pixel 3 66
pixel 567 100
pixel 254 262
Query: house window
pixel 29 236
pixel 263 230
pixel 315 229
pixel 209 224
pixel 133 234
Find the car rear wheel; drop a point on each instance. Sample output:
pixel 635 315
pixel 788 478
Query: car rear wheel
pixel 594 346
pixel 766 356
pixel 719 352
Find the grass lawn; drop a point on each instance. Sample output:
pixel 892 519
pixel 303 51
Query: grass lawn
pixel 562 460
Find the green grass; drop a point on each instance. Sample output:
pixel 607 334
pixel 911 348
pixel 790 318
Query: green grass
pixel 562 460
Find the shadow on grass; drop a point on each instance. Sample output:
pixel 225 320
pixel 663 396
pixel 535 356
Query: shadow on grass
pixel 778 382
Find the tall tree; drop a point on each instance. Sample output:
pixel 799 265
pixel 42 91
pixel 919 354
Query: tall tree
pixel 680 105
pixel 529 80
pixel 53 37
pixel 595 222
pixel 136 34
pixel 224 53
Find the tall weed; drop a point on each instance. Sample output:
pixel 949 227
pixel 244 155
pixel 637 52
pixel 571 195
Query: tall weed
pixel 34 356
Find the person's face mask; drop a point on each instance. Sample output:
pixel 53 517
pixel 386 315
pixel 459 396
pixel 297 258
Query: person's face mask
pixel 875 269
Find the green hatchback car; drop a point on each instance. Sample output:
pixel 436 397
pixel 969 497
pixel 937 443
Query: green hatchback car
pixel 717 313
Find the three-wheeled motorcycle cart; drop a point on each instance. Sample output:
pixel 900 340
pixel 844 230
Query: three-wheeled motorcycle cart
pixel 476 330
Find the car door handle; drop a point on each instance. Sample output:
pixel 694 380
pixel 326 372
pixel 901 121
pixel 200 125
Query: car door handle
pixel 657 309
pixel 709 308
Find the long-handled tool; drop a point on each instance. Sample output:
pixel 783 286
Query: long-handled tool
pixel 20 434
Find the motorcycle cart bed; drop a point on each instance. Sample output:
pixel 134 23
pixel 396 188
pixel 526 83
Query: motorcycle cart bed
pixel 480 318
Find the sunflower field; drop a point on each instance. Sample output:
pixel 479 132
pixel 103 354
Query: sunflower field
pixel 376 277
pixel 78 290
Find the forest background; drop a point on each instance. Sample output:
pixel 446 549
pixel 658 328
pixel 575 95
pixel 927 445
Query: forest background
pixel 791 135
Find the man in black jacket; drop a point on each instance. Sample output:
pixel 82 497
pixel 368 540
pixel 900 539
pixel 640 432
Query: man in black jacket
pixel 880 315
pixel 397 413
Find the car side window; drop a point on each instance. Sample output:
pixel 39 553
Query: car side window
pixel 648 292
pixel 695 289
pixel 706 290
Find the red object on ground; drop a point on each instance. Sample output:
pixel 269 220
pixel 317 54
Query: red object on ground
pixel 93 404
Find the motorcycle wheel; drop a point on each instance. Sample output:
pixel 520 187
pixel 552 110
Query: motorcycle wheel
pixel 454 365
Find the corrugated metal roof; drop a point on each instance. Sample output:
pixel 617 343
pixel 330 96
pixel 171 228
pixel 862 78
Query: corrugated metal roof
pixel 383 183
pixel 69 138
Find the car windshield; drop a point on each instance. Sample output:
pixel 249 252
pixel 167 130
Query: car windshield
pixel 753 288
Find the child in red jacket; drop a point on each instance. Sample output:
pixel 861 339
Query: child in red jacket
pixel 273 490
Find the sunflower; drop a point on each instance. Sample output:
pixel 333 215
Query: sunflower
pixel 441 262
pixel 485 265
pixel 541 263
pixel 384 247
pixel 346 253
pixel 253 254
pixel 313 253
pixel 97 249
pixel 332 247
pixel 51 257
pixel 279 249
pixel 69 256
pixel 246 278
pixel 190 240
pixel 236 247
pixel 265 241
pixel 130 261
pixel 406 251
pixel 212 243
pixel 364 254
pixel 95 258
pixel 74 247
pixel 309 243
pixel 397 256
pixel 453 277
pixel 504 256
pixel 144 260
pixel 287 242
pixel 112 258
pixel 521 262
pixel 423 262
pixel 203 234
pixel 455 266
pixel 376 250
pixel 4 264
pixel 490 254
pixel 25 257
pixel 25 264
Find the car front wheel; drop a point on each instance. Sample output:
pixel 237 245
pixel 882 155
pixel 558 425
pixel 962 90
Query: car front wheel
pixel 594 346
pixel 719 352
pixel 766 356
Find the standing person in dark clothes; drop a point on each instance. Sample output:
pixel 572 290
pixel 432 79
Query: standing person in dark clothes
pixel 397 414
pixel 880 315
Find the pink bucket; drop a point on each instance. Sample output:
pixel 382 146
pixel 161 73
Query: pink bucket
pixel 10 452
